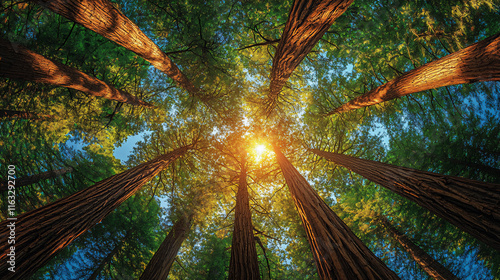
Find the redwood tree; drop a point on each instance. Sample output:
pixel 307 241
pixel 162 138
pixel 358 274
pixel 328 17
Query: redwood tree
pixel 468 204
pixel 102 17
pixel 41 233
pixel 244 263
pixel 17 62
pixel 159 266
pixel 338 253
pixel 307 23
pixel 25 181
pixel 428 263
pixel 476 63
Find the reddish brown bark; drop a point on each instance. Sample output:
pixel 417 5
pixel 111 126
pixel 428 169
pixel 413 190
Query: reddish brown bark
pixel 10 114
pixel 41 233
pixel 307 23
pixel 21 182
pixel 102 17
pixel 244 263
pixel 17 62
pixel 468 204
pixel 159 266
pixel 478 62
pixel 428 263
pixel 338 253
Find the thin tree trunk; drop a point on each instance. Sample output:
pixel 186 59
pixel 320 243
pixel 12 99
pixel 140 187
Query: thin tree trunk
pixel 109 257
pixel 159 266
pixel 495 172
pixel 102 17
pixel 338 253
pixel 478 62
pixel 21 182
pixel 17 62
pixel 10 114
pixel 428 263
pixel 307 23
pixel 41 233
pixel 244 263
pixel 470 205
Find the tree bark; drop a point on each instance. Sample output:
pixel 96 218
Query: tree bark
pixel 426 262
pixel 102 17
pixel 10 114
pixel 478 62
pixel 21 182
pixel 244 264
pixel 17 62
pixel 470 205
pixel 307 23
pixel 338 253
pixel 41 233
pixel 159 266
pixel 109 257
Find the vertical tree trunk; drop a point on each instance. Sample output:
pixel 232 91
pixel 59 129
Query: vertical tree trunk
pixel 109 257
pixel 102 17
pixel 338 253
pixel 470 205
pixel 478 62
pixel 10 114
pixel 244 264
pixel 428 263
pixel 41 233
pixel 307 23
pixel 159 266
pixel 17 62
pixel 21 182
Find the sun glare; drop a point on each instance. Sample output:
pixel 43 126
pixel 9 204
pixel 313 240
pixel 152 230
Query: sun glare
pixel 259 151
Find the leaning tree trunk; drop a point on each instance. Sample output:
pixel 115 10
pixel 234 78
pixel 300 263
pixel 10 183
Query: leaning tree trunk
pixel 426 262
pixel 21 182
pixel 109 257
pixel 41 233
pixel 244 264
pixel 11 114
pixel 102 17
pixel 476 63
pixel 307 23
pixel 159 266
pixel 470 205
pixel 17 62
pixel 338 253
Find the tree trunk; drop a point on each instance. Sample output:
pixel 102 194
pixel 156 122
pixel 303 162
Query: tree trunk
pixel 338 253
pixel 159 266
pixel 307 23
pixel 21 182
pixel 428 263
pixel 109 257
pixel 102 17
pixel 41 233
pixel 478 62
pixel 244 264
pixel 17 62
pixel 485 169
pixel 10 114
pixel 472 206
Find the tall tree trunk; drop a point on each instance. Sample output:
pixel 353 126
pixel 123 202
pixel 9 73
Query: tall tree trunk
pixel 468 204
pixel 17 62
pixel 21 182
pixel 10 114
pixel 41 233
pixel 478 62
pixel 102 17
pixel 428 263
pixel 159 266
pixel 338 253
pixel 109 257
pixel 307 23
pixel 244 264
